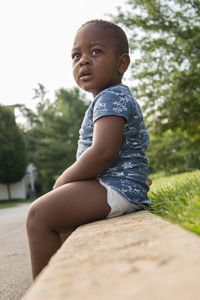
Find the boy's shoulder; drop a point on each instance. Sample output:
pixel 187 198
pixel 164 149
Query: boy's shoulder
pixel 119 91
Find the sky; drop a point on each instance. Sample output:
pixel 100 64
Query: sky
pixel 36 38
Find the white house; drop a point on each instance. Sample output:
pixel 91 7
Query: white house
pixel 22 188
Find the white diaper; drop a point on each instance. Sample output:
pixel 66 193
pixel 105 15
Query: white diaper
pixel 118 203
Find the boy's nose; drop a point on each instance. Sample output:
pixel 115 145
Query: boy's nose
pixel 84 60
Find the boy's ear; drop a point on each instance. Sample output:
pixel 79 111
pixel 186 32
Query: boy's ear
pixel 124 62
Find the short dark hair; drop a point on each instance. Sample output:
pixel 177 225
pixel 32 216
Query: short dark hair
pixel 117 32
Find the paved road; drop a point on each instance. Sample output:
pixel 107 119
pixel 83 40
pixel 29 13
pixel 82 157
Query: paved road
pixel 15 273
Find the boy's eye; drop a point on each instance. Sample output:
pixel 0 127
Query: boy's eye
pixel 76 56
pixel 96 51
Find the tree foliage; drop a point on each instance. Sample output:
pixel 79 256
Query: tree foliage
pixel 170 152
pixel 52 139
pixel 12 149
pixel 165 45
pixel 166 34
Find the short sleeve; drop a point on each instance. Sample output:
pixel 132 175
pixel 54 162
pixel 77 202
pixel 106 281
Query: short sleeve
pixel 112 103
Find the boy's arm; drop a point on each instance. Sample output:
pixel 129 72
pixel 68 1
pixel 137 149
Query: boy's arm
pixel 107 137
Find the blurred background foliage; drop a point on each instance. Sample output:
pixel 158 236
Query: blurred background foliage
pixel 13 158
pixel 164 38
pixel 51 133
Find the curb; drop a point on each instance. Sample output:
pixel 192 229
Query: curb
pixel 135 256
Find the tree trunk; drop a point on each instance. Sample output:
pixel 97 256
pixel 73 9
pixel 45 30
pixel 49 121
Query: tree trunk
pixel 9 191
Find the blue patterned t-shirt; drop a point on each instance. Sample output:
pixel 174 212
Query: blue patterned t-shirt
pixel 128 174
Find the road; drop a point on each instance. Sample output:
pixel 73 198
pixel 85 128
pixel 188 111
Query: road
pixel 15 272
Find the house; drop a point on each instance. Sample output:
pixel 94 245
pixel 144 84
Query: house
pixel 23 189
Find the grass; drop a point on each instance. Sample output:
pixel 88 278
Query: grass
pixel 13 202
pixel 177 199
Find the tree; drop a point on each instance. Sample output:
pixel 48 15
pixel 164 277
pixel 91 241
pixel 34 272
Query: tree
pixel 52 139
pixel 170 153
pixel 12 149
pixel 165 39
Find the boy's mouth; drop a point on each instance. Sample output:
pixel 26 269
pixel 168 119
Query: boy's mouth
pixel 85 75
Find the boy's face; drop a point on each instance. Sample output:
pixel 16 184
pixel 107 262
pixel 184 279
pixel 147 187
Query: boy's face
pixel 95 60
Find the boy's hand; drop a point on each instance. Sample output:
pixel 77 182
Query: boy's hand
pixel 149 181
pixel 58 182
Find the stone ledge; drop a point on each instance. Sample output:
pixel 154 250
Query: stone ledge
pixel 136 256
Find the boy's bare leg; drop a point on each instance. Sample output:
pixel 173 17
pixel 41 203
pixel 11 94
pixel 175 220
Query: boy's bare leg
pixel 62 211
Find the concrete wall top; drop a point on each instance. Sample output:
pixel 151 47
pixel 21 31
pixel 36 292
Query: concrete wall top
pixel 136 256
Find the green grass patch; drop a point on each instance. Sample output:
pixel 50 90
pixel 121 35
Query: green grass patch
pixel 177 199
pixel 13 202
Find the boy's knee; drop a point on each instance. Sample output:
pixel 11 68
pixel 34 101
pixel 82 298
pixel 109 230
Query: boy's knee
pixel 33 216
